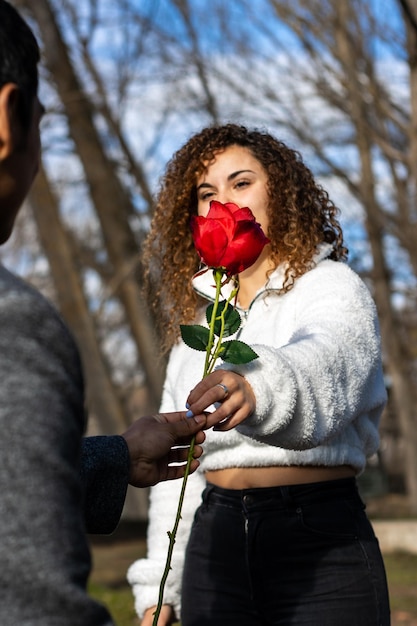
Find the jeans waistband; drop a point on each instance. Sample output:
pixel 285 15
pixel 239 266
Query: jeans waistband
pixel 283 495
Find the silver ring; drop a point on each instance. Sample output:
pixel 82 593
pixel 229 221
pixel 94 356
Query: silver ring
pixel 225 389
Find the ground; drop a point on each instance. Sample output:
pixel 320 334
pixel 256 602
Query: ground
pixel 113 555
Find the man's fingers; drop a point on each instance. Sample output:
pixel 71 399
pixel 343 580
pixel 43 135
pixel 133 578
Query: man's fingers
pixel 180 455
pixel 187 427
pixel 178 471
pixel 179 417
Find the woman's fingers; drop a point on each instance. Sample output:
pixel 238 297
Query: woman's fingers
pixel 230 392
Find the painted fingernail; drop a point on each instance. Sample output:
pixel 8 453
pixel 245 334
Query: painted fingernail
pixel 189 414
pixel 187 405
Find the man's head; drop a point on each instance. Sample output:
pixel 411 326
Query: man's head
pixel 19 58
pixel 20 113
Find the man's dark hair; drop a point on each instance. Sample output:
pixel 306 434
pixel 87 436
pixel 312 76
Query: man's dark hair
pixel 19 58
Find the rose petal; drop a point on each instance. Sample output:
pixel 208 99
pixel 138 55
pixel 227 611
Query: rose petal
pixel 219 211
pixel 245 247
pixel 244 214
pixel 210 240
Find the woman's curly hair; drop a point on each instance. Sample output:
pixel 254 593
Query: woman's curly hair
pixel 301 216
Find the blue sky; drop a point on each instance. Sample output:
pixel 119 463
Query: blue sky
pixel 143 109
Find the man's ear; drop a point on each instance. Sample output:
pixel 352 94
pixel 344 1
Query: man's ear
pixel 10 127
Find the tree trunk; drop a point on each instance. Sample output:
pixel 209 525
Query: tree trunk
pixel 102 399
pixel 111 201
pixel 349 48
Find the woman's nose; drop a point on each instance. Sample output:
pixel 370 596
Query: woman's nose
pixel 224 197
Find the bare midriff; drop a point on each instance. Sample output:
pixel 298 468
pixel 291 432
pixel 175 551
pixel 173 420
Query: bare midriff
pixel 254 477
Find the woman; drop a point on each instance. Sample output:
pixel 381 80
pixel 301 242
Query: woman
pixel 281 536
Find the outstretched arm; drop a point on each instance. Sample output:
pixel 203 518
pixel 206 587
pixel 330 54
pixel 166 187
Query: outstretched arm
pixel 142 456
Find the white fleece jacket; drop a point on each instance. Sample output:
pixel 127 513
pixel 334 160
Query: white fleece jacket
pixel 319 394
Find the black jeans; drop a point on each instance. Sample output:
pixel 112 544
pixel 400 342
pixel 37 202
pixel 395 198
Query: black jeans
pixel 297 555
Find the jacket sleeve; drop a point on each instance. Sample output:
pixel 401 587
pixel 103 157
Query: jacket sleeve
pixel 105 475
pixel 43 548
pixel 329 371
pixel 145 574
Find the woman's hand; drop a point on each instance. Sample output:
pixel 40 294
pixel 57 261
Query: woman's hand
pixel 232 391
pixel 166 616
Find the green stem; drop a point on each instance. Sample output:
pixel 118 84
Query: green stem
pixel 208 366
pixel 172 535
pixel 218 347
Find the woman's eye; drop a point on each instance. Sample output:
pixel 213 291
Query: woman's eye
pixel 242 183
pixel 206 195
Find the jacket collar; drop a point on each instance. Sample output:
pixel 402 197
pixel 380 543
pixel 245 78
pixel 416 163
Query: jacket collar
pixel 203 282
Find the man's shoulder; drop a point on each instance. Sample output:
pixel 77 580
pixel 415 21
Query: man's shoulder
pixel 17 293
pixel 11 284
pixel 27 312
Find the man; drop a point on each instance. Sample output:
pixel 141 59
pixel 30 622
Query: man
pixel 53 483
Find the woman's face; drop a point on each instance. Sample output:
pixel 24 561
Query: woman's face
pixel 235 176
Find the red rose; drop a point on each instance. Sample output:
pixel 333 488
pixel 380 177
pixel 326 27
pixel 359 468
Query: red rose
pixel 229 237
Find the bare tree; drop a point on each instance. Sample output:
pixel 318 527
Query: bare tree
pixel 111 200
pixel 324 74
pixel 338 38
pixel 101 394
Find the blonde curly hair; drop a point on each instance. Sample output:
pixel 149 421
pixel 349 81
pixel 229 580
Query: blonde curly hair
pixel 300 217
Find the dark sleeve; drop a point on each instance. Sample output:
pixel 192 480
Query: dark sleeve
pixel 105 476
pixel 44 554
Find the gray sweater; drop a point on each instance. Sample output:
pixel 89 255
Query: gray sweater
pixel 53 484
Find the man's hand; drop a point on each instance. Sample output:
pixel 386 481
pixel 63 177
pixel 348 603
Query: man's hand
pixel 153 441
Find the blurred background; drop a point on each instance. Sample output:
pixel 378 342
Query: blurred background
pixel 126 82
